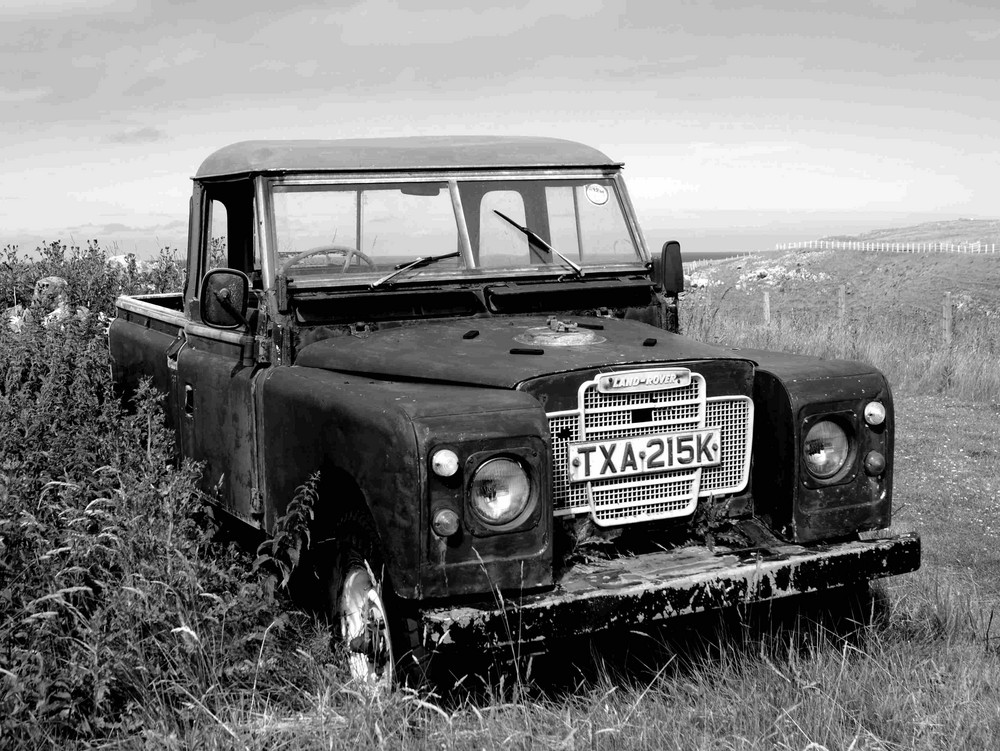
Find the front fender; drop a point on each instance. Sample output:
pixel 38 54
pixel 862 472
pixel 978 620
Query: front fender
pixel 379 433
pixel 788 390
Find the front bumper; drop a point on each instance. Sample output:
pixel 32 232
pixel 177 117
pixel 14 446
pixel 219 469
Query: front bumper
pixel 631 591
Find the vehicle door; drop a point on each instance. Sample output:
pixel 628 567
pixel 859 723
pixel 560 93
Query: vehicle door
pixel 217 368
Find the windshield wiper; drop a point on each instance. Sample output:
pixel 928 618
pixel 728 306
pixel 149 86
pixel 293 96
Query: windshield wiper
pixel 416 263
pixel 532 237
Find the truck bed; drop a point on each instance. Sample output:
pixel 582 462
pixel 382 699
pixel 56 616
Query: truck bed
pixel 141 337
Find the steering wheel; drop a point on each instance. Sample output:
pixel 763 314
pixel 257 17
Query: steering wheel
pixel 344 250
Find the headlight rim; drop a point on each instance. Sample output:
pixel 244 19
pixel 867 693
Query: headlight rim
pixel 847 464
pixel 530 499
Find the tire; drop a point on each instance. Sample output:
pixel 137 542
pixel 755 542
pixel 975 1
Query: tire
pixel 379 635
pixel 363 623
pixel 849 613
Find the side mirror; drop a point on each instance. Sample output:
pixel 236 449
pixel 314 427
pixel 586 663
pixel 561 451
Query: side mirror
pixel 224 299
pixel 667 269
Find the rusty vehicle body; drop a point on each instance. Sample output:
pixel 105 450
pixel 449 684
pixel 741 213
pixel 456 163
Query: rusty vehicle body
pixel 469 340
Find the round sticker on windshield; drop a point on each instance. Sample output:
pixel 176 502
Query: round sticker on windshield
pixel 597 194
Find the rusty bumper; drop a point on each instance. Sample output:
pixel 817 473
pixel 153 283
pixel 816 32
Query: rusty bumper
pixel 632 591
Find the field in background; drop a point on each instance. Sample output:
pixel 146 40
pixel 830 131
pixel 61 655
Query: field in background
pixel 124 625
pixel 893 313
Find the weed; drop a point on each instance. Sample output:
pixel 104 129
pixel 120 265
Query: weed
pixel 279 555
pixel 115 607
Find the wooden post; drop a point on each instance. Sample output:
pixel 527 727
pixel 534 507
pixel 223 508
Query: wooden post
pixel 767 308
pixel 842 303
pixel 946 319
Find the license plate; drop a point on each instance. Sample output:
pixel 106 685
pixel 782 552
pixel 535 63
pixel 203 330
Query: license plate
pixel 621 457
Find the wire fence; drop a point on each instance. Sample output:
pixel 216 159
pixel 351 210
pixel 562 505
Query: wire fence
pixel 892 247
pixel 946 314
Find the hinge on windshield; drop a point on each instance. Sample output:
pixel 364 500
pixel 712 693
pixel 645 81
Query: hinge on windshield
pixel 263 347
pixel 262 337
pixel 361 329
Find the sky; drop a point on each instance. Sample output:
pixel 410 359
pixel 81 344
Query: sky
pixel 782 117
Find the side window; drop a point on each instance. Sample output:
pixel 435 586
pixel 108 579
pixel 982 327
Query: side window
pixel 500 244
pixel 218 236
pixel 229 227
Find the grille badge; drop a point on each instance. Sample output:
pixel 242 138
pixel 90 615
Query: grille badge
pixel 634 381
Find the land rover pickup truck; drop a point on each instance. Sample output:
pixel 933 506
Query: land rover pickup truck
pixel 470 342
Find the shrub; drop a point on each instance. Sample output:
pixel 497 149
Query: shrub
pixel 115 606
pixel 93 282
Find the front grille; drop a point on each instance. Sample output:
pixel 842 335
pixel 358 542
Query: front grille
pixel 656 495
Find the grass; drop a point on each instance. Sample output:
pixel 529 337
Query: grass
pixel 929 680
pixel 125 624
pixel 893 316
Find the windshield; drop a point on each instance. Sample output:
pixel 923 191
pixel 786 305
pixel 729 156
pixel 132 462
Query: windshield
pixel 464 227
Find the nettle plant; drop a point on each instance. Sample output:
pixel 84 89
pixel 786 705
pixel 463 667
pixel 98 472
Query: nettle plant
pixel 93 282
pixel 115 605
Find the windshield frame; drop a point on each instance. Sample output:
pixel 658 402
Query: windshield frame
pixel 431 274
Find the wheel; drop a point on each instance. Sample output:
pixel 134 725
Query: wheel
pixel 848 613
pixel 356 598
pixel 364 628
pixel 344 250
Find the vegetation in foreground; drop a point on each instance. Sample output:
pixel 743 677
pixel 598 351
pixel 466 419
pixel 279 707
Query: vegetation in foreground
pixel 123 623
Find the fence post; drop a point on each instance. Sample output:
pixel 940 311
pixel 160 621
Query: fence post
pixel 842 302
pixel 946 321
pixel 767 308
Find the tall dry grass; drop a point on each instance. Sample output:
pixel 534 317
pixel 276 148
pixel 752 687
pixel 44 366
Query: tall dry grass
pixel 906 345
pixel 925 680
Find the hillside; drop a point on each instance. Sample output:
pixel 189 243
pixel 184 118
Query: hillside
pixel 954 231
pixel 807 281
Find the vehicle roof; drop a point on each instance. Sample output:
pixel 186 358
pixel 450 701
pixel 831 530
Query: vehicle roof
pixel 400 154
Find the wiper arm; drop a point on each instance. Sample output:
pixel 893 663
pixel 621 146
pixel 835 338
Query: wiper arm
pixel 541 243
pixel 416 263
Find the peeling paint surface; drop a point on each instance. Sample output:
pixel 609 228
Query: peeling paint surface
pixel 606 594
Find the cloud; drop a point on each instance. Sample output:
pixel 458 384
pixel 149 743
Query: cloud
pixel 115 228
pixel 896 7
pixel 138 135
pixel 387 23
pixel 144 85
pixel 24 95
pixel 33 9
pixel 985 35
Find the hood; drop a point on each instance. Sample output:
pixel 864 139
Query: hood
pixel 502 352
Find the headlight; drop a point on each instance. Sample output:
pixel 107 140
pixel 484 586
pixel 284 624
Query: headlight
pixel 826 449
pixel 499 491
